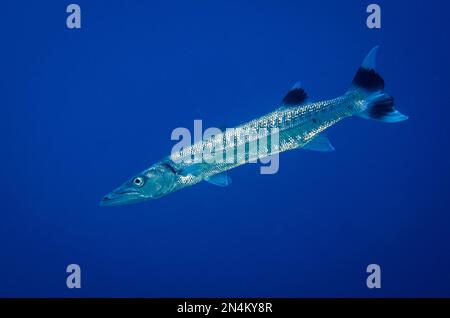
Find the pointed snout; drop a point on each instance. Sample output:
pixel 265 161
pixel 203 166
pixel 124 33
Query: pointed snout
pixel 121 196
pixel 107 198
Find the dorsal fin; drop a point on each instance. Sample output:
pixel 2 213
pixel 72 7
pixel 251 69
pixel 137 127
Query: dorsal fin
pixel 295 97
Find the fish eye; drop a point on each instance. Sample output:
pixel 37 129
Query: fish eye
pixel 138 181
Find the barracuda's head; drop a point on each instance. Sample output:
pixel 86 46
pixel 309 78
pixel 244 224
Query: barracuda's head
pixel 152 183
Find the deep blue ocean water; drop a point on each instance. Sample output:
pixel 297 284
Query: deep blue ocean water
pixel 84 110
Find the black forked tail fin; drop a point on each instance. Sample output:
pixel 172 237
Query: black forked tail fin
pixel 378 105
pixel 381 107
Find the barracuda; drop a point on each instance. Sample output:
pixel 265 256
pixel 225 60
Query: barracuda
pixel 297 123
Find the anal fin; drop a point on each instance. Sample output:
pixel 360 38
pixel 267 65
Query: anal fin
pixel 319 143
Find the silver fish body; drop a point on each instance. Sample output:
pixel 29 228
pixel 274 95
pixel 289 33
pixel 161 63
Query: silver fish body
pixel 293 127
pixel 297 123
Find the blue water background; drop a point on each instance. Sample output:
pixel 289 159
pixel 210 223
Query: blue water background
pixel 83 110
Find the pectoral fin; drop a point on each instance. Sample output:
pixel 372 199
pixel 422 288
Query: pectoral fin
pixel 193 169
pixel 221 180
pixel 319 143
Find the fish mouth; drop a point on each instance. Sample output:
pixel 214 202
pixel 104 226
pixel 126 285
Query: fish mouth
pixel 121 198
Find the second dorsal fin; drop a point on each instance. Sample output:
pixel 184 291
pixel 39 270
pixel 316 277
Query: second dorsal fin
pixel 295 97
